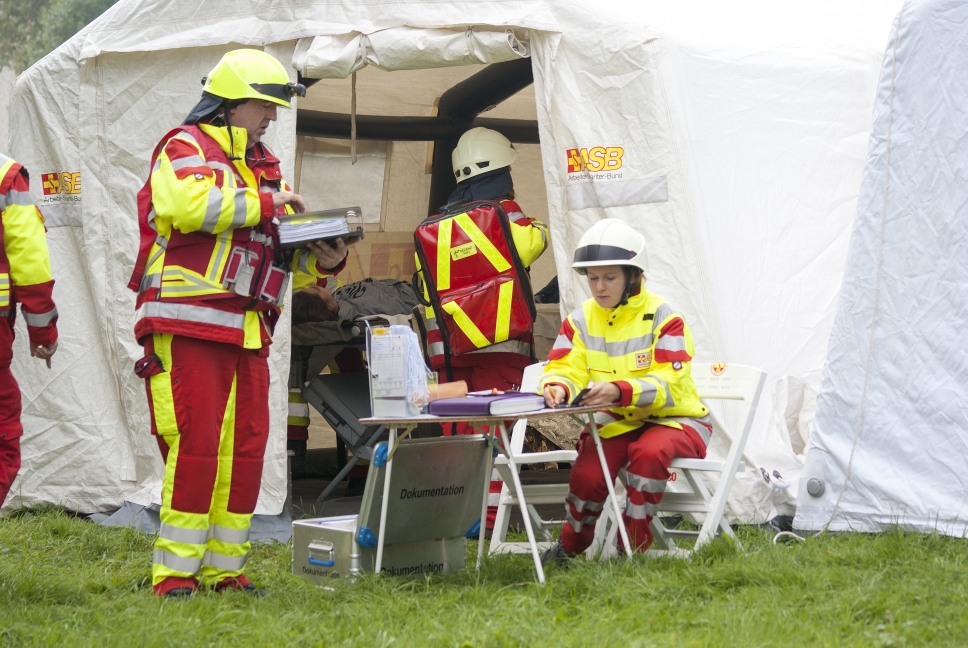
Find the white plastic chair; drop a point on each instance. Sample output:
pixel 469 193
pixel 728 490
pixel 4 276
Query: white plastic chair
pixel 533 494
pixel 713 381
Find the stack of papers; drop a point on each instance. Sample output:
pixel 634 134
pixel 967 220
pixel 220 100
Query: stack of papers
pixel 313 230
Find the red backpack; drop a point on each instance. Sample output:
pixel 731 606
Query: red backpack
pixel 476 284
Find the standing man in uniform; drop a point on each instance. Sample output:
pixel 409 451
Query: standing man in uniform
pixel 210 279
pixel 24 279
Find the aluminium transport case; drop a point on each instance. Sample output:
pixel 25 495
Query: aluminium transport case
pixel 436 490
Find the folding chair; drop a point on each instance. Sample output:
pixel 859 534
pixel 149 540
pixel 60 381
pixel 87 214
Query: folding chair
pixel 713 382
pixel 533 494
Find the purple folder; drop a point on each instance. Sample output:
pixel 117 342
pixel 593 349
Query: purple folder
pixel 498 404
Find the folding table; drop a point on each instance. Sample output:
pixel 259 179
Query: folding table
pixel 491 427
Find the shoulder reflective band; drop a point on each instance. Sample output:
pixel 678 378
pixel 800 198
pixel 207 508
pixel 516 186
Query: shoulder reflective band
pixel 602 253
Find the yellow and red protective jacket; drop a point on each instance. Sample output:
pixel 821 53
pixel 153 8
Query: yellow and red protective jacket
pixel 24 262
pixel 530 238
pixel 645 348
pixel 207 205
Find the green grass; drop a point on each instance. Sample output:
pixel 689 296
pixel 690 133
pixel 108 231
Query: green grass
pixel 68 581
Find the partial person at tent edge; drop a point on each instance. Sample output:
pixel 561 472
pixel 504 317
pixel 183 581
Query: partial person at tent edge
pixel 473 259
pixel 211 279
pixel 638 350
pixel 25 278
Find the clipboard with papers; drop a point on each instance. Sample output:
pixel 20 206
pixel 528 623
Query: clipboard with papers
pixel 296 230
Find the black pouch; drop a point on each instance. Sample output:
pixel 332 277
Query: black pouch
pixel 148 366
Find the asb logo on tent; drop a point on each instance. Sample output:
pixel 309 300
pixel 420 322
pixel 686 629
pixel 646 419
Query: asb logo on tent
pixel 61 183
pixel 595 163
pixel 62 187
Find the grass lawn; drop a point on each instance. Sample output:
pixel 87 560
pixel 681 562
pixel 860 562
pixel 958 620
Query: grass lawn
pixel 66 581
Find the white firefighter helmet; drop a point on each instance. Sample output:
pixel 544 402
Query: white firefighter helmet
pixel 610 242
pixel 480 150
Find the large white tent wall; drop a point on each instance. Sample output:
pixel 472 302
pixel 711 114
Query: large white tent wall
pixel 742 132
pixel 891 439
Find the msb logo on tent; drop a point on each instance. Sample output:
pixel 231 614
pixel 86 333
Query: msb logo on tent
pixel 596 159
pixel 61 183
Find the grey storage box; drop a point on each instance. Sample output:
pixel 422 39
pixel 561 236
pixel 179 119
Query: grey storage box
pixel 436 490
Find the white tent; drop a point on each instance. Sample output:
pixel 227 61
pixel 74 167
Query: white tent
pixel 890 444
pixel 740 132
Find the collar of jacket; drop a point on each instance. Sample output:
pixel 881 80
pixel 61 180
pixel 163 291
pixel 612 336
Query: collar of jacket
pixel 221 135
pixel 634 306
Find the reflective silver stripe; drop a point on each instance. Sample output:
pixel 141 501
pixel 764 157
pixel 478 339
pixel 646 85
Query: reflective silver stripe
pixel 185 536
pixel 662 313
pixel 625 347
pixel 604 418
pixel 588 520
pixel 40 319
pixel 640 511
pixel 671 343
pixel 163 245
pixel 151 220
pixel 432 324
pixel 435 349
pixel 696 424
pixel 213 211
pixel 223 562
pixel 15 197
pixel 177 563
pixel 5 312
pixel 189 313
pixel 562 342
pixel 581 505
pixel 221 248
pixel 190 161
pixel 241 207
pixel 193 284
pixel 515 216
pixel 4 281
pixel 508 346
pixel 299 409
pixel 670 401
pixel 645 484
pixel 647 395
pixel 231 536
pixel 594 343
pixel 219 166
pixel 150 281
pixel 303 264
pixel 3 201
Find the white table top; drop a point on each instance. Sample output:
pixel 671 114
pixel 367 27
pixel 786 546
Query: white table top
pixel 428 418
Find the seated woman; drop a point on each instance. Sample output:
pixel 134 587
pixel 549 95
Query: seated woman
pixel 634 351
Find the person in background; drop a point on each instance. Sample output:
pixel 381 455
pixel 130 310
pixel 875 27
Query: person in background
pixel 482 165
pixel 25 279
pixel 634 350
pixel 210 280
